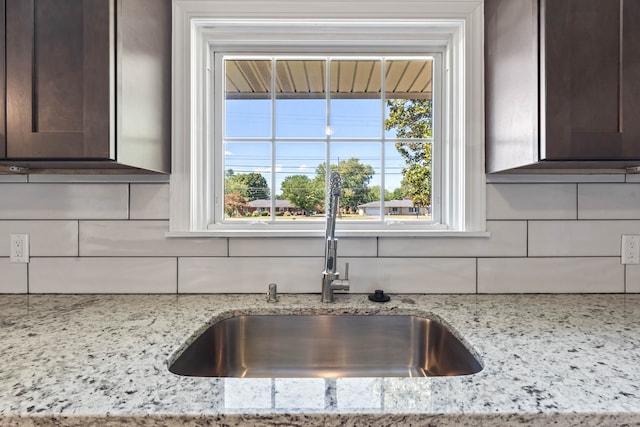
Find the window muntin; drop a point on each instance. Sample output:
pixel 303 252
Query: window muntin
pixel 281 129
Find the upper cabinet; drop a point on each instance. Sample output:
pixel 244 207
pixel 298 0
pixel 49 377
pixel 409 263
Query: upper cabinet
pixel 59 100
pixel 88 84
pixel 562 84
pixel 3 127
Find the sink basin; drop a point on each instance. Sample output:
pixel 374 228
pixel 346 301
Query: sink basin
pixel 326 346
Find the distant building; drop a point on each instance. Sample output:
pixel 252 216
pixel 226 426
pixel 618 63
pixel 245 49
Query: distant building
pixel 264 205
pixel 392 207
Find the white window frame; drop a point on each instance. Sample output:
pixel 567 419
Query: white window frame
pixel 455 25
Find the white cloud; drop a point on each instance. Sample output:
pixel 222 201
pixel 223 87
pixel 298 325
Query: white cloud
pixel 228 153
pixel 268 170
pixel 303 168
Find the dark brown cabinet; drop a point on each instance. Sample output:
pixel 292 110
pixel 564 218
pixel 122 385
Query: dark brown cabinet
pixel 88 84
pixel 3 128
pixel 563 84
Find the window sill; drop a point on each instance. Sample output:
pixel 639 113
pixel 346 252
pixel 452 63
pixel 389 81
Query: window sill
pixel 321 233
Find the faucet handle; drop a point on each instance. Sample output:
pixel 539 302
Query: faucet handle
pixel 346 271
pixel 272 293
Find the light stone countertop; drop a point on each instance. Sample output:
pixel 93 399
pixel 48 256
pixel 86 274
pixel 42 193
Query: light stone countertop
pixel 102 359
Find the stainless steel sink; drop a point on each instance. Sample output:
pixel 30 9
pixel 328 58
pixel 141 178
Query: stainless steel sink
pixel 326 346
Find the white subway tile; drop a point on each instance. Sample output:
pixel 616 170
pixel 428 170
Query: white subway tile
pixel 4 178
pixel 249 275
pixel 550 275
pixel 609 201
pixel 64 201
pixel 531 201
pixel 13 277
pixel 632 278
pixel 149 201
pixel 578 238
pixel 300 247
pixel 102 275
pixel 538 178
pixel 508 238
pixel 142 238
pixel 46 238
pixel 633 177
pixel 100 178
pixel 411 275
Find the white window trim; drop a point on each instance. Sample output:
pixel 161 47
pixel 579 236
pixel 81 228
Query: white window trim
pixel 458 23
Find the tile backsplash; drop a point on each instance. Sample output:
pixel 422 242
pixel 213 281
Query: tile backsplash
pixel 96 234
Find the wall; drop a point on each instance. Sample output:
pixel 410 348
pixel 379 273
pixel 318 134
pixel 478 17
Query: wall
pixel 93 234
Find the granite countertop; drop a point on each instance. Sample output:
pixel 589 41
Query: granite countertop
pixel 102 359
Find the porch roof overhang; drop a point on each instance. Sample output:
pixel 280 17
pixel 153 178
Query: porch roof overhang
pixel 350 79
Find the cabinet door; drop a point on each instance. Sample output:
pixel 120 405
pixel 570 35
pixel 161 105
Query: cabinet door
pixel 59 76
pixel 3 123
pixel 582 86
pixel 631 78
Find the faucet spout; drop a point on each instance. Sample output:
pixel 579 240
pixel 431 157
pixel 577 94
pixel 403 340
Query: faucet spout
pixel 330 277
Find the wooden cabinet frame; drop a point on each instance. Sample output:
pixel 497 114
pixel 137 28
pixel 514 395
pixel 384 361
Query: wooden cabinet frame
pixel 27 62
pixel 562 86
pixel 88 86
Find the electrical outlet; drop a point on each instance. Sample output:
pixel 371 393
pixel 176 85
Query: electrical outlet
pixel 19 248
pixel 630 249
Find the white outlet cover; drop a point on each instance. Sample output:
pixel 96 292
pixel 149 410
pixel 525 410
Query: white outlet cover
pixel 19 250
pixel 630 249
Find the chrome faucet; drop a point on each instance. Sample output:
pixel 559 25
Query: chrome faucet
pixel 330 277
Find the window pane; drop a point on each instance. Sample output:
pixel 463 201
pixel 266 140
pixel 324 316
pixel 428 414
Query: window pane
pixel 248 98
pixel 300 187
pixel 393 167
pixel 301 106
pixel 355 99
pixel 247 180
pixel 358 116
pixel 408 99
pixel 408 180
pixel 359 168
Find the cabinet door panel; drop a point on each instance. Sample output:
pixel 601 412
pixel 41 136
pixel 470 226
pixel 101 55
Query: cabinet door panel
pixel 3 134
pixel 59 79
pixel 582 71
pixel 58 87
pixel 631 78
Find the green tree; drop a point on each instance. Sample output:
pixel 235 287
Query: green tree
pixel 253 185
pixel 234 203
pixel 397 194
pixel 413 119
pixel 303 192
pixel 373 194
pixel 355 181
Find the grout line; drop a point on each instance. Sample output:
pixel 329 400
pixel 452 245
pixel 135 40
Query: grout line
pixel 577 202
pixel 477 276
pixel 526 241
pixel 177 275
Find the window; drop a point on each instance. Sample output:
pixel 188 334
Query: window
pixel 281 127
pixel 265 108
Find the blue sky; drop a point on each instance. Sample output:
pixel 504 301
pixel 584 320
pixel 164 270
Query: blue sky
pixel 302 122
